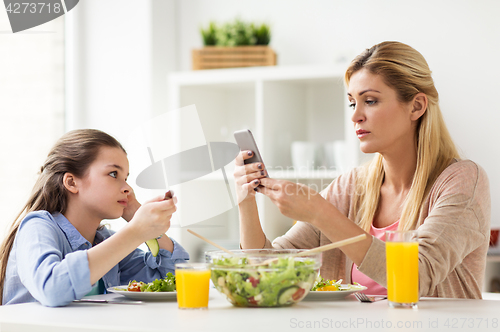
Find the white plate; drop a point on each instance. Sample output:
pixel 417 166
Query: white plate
pixel 331 295
pixel 143 296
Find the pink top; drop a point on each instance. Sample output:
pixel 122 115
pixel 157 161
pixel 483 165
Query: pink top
pixel 359 277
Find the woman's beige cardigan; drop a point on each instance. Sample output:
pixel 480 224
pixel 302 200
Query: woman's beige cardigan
pixel 454 228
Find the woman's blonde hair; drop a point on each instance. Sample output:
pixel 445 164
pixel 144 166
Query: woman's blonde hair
pixel 405 70
pixel 73 153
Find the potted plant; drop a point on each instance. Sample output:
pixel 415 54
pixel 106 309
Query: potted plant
pixel 234 44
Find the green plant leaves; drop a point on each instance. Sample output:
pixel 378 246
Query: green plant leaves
pixel 236 33
pixel 208 35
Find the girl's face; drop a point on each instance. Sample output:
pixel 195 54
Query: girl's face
pixel 382 123
pixel 104 189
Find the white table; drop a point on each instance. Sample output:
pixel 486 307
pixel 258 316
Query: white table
pixel 432 315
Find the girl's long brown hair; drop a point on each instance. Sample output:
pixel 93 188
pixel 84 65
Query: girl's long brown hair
pixel 72 153
pixel 406 71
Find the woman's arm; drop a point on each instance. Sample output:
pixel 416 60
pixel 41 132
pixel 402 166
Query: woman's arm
pixel 300 202
pixel 458 225
pixel 246 178
pixel 251 234
pixel 453 236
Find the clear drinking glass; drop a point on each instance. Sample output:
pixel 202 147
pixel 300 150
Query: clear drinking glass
pixel 192 282
pixel 402 268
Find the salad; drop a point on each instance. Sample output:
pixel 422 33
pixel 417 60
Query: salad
pixel 166 284
pixel 282 282
pixel 322 285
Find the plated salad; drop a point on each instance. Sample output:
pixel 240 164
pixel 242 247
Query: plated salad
pixel 282 282
pixel 322 285
pixel 166 284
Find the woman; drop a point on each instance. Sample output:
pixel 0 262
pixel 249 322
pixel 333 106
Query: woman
pixel 415 181
pixel 56 250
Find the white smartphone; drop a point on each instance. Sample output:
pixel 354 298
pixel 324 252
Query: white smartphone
pixel 245 141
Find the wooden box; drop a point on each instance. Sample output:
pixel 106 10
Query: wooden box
pixel 212 57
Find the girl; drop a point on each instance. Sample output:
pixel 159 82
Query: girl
pixel 56 251
pixel 415 181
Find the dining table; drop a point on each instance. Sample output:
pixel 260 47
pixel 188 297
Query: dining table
pixel 347 314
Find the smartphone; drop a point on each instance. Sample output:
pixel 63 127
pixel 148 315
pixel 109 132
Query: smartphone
pixel 245 141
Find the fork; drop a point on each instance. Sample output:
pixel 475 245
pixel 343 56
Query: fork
pixel 362 297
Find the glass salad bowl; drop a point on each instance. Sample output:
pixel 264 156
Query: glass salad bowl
pixel 263 277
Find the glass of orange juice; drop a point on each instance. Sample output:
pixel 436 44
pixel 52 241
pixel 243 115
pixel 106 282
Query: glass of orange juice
pixel 401 249
pixel 192 282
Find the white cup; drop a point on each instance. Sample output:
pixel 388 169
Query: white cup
pixel 335 158
pixel 304 155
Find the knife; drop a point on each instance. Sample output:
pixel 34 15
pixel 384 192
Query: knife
pixel 107 301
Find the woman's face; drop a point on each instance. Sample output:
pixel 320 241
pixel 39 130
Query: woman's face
pixel 104 189
pixel 382 123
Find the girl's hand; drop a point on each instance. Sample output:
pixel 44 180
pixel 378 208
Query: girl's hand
pixel 132 206
pixel 153 218
pixel 294 200
pixel 246 177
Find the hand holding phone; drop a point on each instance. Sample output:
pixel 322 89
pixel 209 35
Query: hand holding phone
pixel 245 141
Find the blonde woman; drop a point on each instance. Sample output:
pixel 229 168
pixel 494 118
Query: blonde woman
pixel 415 181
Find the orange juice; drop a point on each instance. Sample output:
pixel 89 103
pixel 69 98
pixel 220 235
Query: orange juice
pixel 402 271
pixel 192 288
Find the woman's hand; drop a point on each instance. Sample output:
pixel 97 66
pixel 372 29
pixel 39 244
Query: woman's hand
pixel 132 206
pixel 152 219
pixel 246 176
pixel 294 200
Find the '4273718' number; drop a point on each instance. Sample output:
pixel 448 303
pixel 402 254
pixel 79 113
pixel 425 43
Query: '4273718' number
pixel 476 323
pixel 34 7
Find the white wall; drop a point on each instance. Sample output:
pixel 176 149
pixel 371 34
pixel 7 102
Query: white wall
pixel 119 55
pixel 127 50
pixel 31 108
pixel 459 39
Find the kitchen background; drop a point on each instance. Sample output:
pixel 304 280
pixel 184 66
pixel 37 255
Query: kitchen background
pixel 105 65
